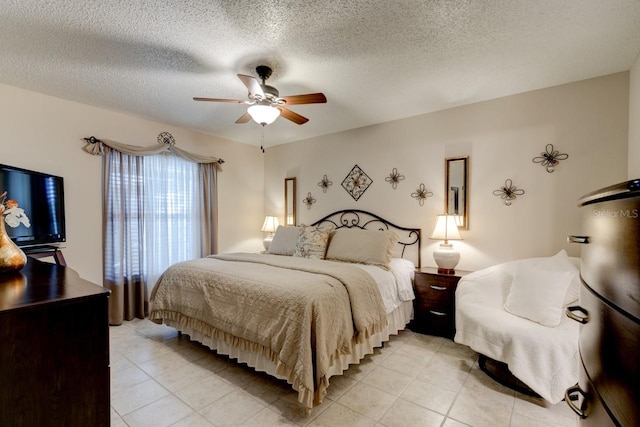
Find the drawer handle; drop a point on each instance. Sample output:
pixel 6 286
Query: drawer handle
pixel 571 314
pixel 571 396
pixel 578 239
pixel 437 313
pixel 438 288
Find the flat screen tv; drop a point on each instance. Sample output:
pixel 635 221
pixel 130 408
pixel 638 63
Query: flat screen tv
pixel 42 197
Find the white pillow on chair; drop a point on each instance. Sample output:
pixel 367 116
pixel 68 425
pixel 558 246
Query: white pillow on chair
pixel 538 294
pixel 561 262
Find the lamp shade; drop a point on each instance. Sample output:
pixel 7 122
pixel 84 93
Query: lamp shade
pixel 446 229
pixel 263 114
pixel 270 224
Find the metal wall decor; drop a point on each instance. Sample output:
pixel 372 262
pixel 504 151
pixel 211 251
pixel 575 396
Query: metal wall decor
pixel 309 200
pixel 166 138
pixel 394 178
pixel 356 182
pixel 421 194
pixel 325 183
pixel 550 158
pixel 508 192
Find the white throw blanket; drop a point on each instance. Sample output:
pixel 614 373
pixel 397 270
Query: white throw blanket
pixel 545 359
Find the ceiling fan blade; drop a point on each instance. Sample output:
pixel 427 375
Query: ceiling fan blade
pixel 310 98
pixel 252 84
pixel 294 117
pixel 243 118
pixel 234 101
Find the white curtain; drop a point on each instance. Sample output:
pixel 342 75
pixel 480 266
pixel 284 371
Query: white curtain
pixel 171 214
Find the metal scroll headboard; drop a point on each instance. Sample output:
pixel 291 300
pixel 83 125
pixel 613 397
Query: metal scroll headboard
pixel 409 238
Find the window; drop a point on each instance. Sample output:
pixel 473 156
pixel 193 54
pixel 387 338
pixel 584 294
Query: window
pixel 171 225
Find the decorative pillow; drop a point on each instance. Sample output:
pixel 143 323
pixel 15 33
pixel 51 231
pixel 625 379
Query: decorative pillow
pixel 284 241
pixel 561 262
pixel 371 247
pixel 312 242
pixel 538 294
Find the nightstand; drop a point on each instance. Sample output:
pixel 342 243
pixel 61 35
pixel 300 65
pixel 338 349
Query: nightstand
pixel 434 306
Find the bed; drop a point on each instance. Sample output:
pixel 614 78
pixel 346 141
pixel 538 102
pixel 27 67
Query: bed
pixel 321 298
pixel 514 313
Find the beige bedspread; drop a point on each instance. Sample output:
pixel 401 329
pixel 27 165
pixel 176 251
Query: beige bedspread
pixel 292 310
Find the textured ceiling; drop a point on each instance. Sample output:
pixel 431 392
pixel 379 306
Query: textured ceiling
pixel 374 60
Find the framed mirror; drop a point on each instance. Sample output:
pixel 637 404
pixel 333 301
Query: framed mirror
pixel 456 181
pixel 290 201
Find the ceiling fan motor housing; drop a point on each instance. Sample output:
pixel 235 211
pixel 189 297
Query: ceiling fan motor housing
pixel 264 72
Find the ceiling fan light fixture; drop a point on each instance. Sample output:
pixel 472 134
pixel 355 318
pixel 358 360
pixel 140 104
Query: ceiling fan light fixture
pixel 263 114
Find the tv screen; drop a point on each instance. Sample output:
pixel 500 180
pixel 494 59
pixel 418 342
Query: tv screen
pixel 42 197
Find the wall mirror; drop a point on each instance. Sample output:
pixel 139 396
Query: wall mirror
pixel 290 201
pixel 457 189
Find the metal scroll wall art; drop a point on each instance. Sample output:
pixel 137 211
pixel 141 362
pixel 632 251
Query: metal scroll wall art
pixel 550 158
pixel 394 178
pixel 166 138
pixel 356 182
pixel 421 194
pixel 309 200
pixel 324 183
pixel 508 192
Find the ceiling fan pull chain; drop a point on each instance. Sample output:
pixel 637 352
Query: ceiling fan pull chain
pixel 262 139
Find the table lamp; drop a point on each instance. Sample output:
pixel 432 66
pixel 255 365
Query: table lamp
pixel 446 256
pixel 270 226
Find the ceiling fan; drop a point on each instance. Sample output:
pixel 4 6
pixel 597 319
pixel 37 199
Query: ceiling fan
pixel 265 101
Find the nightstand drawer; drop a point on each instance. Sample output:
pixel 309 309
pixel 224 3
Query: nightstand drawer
pixel 435 318
pixel 438 306
pixel 434 288
pixel 439 322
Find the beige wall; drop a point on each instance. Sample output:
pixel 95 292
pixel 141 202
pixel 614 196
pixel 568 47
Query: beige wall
pixel 587 119
pixel 634 121
pixel 45 134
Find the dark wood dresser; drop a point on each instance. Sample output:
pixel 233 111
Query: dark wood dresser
pixel 54 348
pixel 434 306
pixel 609 308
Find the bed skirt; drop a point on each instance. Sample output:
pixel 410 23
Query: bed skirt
pixel 398 319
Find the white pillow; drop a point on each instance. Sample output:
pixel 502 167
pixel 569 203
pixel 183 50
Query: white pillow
pixel 538 294
pixel 312 242
pixel 404 272
pixel 284 241
pixel 561 262
pixel 373 247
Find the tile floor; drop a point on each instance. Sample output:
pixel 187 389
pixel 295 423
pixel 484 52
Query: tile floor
pixel 161 379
